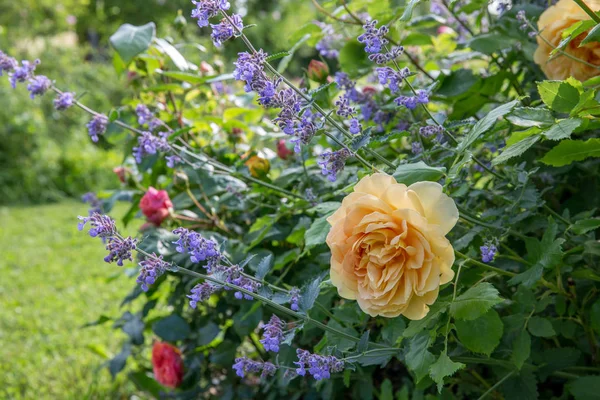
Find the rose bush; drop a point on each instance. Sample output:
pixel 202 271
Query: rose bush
pixel 434 234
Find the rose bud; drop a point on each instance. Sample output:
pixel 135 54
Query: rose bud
pixel 258 166
pixel 282 151
pixel 120 172
pixel 206 68
pixel 318 71
pixel 369 90
pixel 167 364
pixel 156 205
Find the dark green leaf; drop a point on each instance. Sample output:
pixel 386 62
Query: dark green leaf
pixel 521 387
pixel 393 330
pixel 521 349
pixel 418 325
pixel 264 266
pixel 442 368
pixel 529 277
pixel 562 129
pixel 171 328
pixel 117 364
pixel 568 151
pixel 558 95
pixel 361 140
pixel 208 333
pixel 540 327
pixel 585 388
pixel 481 335
pixel 417 172
pixel 317 233
pixel 309 294
pixel 592 36
pixel 363 344
pixel 485 124
pixel 528 117
pixel 475 302
pixel 585 225
pixel 377 356
pixel 418 359
pixel 386 390
pixel 516 149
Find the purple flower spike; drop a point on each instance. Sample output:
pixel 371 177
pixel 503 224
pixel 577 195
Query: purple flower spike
pixel 332 163
pixel 201 292
pixel 64 100
pixel 23 73
pixel 295 293
pixel 120 249
pixel 320 367
pixel 488 252
pixel 151 269
pixel 101 225
pixel 38 86
pixel 7 64
pixel 97 126
pixel 273 334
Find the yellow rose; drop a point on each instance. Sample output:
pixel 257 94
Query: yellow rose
pixel 552 23
pixel 388 246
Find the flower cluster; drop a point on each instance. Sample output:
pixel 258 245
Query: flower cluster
pixel 295 297
pixel 328 46
pixel 391 78
pixel 343 102
pixel 225 30
pixel 64 100
pixel 488 252
pixel 333 162
pixel 199 248
pixel 416 148
pixel 38 85
pixel 97 126
pixel 7 63
pixel 150 270
pixel 244 365
pixel 102 226
pixel 320 367
pixel 146 117
pixel 375 42
pixel 235 276
pixel 207 9
pixel 201 292
pixel 273 334
pixel 150 144
pixel 173 160
pixel 94 202
pixel 430 130
pixel 411 102
pixel 23 73
pixel 120 249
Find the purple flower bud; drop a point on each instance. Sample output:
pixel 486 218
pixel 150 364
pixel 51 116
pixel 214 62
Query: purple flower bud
pixel 295 292
pixel 97 126
pixel 488 252
pixel 332 163
pixel 151 269
pixel 273 334
pixel 206 9
pixel 120 249
pixel 102 226
pixel 64 100
pixel 201 292
pixel 23 73
pixel 355 126
pixel 150 144
pixel 38 85
pixel 199 248
pixel 7 63
pixel 416 148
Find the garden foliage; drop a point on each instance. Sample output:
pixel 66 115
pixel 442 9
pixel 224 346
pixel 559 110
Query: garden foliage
pixel 298 245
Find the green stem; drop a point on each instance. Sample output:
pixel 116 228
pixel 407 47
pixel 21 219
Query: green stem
pixel 588 10
pixel 496 385
pixel 484 266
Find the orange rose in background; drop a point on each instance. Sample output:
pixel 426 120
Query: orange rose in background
pixel 167 364
pixel 552 23
pixel 388 246
pixel 258 166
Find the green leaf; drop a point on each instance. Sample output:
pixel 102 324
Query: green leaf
pixel 363 344
pixel 457 83
pixel 361 140
pixel 130 40
pixel 418 359
pixel 309 294
pixel 174 54
pixel 528 117
pixel 317 233
pixel 592 36
pixel 558 95
pixel 517 136
pixel 145 383
pixel 417 172
pixel 562 129
pixel 585 388
pixel 516 149
pixel 595 316
pixel 207 333
pixel 442 368
pixel 408 10
pixel 386 390
pixel 117 364
pixel 335 339
pixel 285 61
pixel 188 77
pixel 481 335
pixel 521 387
pixel 540 327
pixel 353 59
pixel 171 328
pixel 264 266
pixel 529 277
pixel 568 151
pixel 485 124
pixel 277 56
pixel 521 349
pixel 377 356
pixel 393 330
pixel 489 43
pixel 418 325
pixel 475 302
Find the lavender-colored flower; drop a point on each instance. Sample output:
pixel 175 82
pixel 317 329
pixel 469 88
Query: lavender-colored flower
pixel 120 249
pixel 273 334
pixel 328 46
pixel 295 293
pixel 430 130
pixel 343 106
pixel 488 252
pixel 146 117
pixel 244 365
pixel 374 38
pixel 343 82
pixel 102 226
pixel 392 78
pixel 201 292
pixel 64 100
pixel 304 132
pixel 151 269
pixel 38 85
pixel 384 58
pixel 522 18
pixel 95 203
pixel 320 367
pixel 332 163
pixel 224 30
pixel 422 97
pixel 173 160
pixel 416 148
pixel 7 63
pixel 355 127
pixel 23 73
pixel 97 126
pixel 235 277
pixel 150 144
pixel 206 9
pixel 199 248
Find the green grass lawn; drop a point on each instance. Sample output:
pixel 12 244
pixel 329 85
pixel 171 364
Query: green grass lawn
pixel 52 281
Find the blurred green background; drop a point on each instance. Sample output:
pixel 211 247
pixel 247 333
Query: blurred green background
pixel 53 278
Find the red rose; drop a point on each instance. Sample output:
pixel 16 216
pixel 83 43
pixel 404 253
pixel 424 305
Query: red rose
pixel 167 364
pixel 156 205
pixel 120 171
pixel 282 151
pixel 369 90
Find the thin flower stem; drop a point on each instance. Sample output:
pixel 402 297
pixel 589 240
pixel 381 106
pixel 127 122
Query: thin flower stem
pixel 496 385
pixel 314 105
pixel 588 10
pixel 484 266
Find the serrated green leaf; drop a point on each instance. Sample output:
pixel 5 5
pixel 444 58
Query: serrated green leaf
pixel 418 359
pixel 558 95
pixel 540 327
pixel 393 330
pixel 361 140
pixel 264 266
pixel 171 328
pixel 521 349
pixel 528 117
pixel 377 356
pixel 363 344
pixel 521 387
pixel 418 325
pixel 475 302
pixel 442 368
pixel 562 129
pixel 277 56
pixel 317 233
pixel 529 277
pixel 309 294
pixel 585 388
pixel 517 136
pixel 569 151
pixel 481 335
pixel 516 150
pixel 417 172
pixel 485 124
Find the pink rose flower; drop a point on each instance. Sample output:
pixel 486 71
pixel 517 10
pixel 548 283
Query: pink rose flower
pixel 156 205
